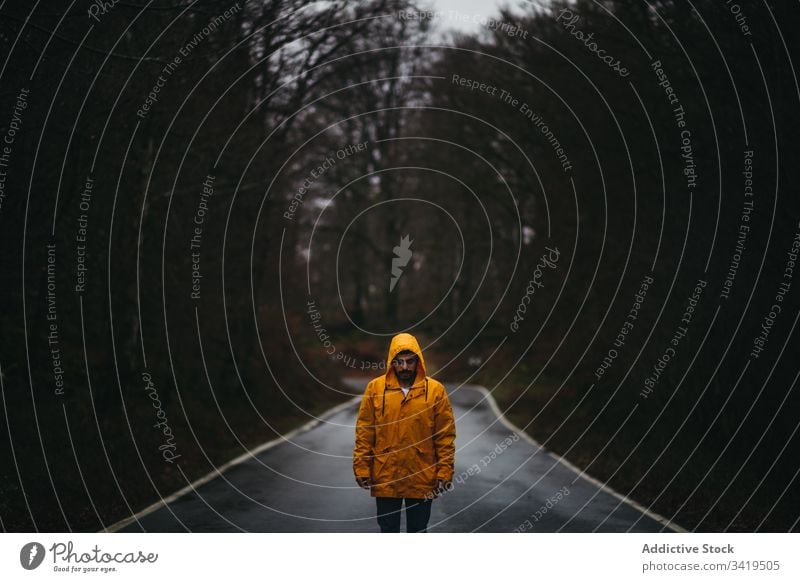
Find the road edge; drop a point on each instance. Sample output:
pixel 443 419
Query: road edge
pixel 115 527
pixel 596 482
pixel 251 453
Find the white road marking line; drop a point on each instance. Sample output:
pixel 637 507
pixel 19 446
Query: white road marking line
pixel 603 486
pixel 237 461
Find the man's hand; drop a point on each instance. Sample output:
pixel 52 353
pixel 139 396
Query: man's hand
pixel 441 487
pixel 364 482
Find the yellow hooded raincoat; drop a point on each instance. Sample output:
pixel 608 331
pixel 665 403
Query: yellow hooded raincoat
pixel 404 443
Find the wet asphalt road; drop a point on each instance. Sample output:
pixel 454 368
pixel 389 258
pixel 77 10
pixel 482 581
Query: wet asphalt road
pixel 306 485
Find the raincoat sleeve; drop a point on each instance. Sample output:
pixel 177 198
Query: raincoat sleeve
pixel 365 436
pixel 444 438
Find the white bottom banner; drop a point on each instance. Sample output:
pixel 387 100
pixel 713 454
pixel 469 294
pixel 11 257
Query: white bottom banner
pixel 354 557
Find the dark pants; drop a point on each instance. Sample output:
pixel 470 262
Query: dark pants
pixel 418 512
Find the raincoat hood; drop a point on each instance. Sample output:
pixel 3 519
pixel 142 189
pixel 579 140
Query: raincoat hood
pixel 400 343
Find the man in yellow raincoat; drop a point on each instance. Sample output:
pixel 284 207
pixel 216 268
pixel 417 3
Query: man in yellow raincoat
pixel 405 436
